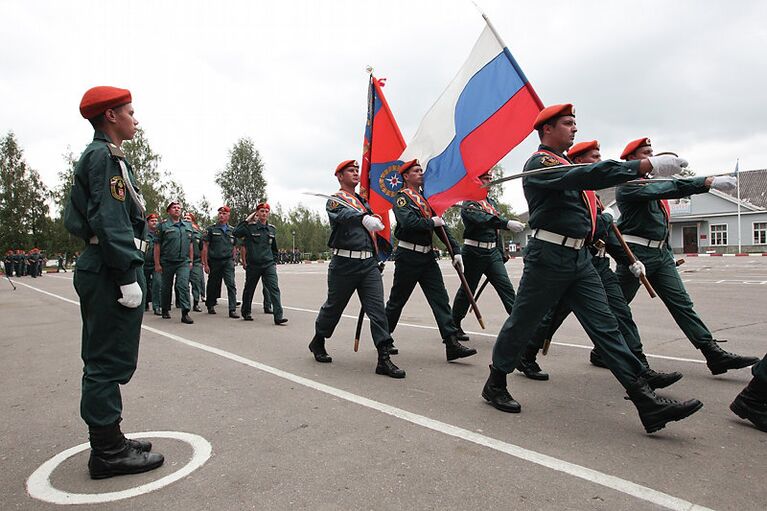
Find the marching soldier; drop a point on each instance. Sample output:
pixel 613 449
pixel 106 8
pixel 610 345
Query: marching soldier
pixel 151 275
pixel 8 262
pixel 415 262
pixel 588 152
pixel 259 258
pixel 106 211
pixel 353 268
pixel 196 275
pixel 483 253
pixel 751 403
pixel 173 256
pixel 217 253
pixel 558 267
pixel 60 263
pixel 644 222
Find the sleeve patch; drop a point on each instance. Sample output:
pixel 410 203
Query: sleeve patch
pixel 549 161
pixel 117 188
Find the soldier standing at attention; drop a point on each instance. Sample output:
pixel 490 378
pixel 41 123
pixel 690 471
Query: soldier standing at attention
pixel 644 222
pixel 217 261
pixel 106 211
pixel 196 276
pixel 152 277
pixel 558 267
pixel 483 253
pixel 259 255
pixel 353 267
pixel 173 255
pixel 415 261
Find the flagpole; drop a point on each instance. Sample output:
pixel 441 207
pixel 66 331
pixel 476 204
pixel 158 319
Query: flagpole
pixel 737 163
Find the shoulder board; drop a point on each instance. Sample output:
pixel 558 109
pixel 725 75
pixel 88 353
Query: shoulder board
pixel 115 151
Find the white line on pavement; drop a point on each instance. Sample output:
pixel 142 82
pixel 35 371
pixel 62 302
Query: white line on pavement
pixel 609 481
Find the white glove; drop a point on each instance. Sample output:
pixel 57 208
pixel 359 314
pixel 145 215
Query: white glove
pixel 458 262
pixel 131 295
pixel 667 164
pixel 724 183
pixel 609 211
pixel 637 269
pixel 372 224
pixel 515 226
pixel 438 222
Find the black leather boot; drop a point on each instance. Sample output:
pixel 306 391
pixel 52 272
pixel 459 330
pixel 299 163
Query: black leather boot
pixel 386 366
pixel 317 347
pixel 455 350
pixel 211 310
pixel 658 380
pixel 496 393
pixel 529 366
pixel 461 335
pixel 196 307
pixel 234 315
pixel 165 314
pixel 393 350
pixel 596 359
pixel 112 454
pixel 141 445
pixel 185 318
pixel 720 361
pixel 655 411
pixel 751 404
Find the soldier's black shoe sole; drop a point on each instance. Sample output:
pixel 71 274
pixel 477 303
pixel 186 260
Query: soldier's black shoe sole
pixel 100 468
pixel 280 321
pixel 537 376
pixel 739 363
pixel 691 407
pixel 399 373
pixel 455 355
pixel 742 411
pixel 508 406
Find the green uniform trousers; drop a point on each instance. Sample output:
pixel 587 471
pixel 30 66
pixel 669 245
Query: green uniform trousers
pixel 221 269
pixel 110 339
pixel 197 280
pixel 662 273
pixel 267 298
pixel 411 268
pixel 346 275
pixel 153 288
pixel 478 262
pixel 618 306
pixel 179 272
pixel 269 274
pixel 553 273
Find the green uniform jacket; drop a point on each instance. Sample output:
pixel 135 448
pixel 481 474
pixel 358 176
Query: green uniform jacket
pixel 481 225
pixel 197 244
pixel 346 229
pixel 174 240
pixel 220 240
pixel 260 241
pixel 555 200
pixel 151 239
pixel 100 205
pixel 641 211
pixel 413 226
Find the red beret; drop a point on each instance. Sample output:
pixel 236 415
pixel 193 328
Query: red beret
pixel 191 215
pixel 263 205
pixel 225 209
pixel 552 112
pixel 98 100
pixel 172 203
pixel 153 215
pixel 582 147
pixel 634 145
pixel 346 163
pixel 408 165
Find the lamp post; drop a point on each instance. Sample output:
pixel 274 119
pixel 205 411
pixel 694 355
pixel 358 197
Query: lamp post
pixel 294 240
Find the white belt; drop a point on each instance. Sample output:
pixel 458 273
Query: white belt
pixel 637 240
pixel 479 244
pixel 416 248
pixel 558 239
pixel 352 254
pixel 140 244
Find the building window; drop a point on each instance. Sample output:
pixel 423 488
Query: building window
pixel 760 233
pixel 718 234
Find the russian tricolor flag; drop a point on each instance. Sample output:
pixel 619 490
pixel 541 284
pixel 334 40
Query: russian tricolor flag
pixel 487 110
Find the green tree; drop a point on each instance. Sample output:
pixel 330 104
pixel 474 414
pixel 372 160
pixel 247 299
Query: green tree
pixel 23 198
pixel 242 182
pixel 59 239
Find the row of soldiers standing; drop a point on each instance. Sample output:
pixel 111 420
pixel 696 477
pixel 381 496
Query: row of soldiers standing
pixel 21 264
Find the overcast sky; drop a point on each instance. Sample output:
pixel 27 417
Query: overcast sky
pixel 691 75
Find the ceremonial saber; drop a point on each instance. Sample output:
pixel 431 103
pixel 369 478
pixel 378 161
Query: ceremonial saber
pixel 443 236
pixel 10 282
pixel 537 172
pixel 479 292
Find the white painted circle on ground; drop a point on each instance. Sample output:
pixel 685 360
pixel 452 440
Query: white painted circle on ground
pixel 39 483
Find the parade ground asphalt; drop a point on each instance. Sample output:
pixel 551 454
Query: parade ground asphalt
pixel 248 420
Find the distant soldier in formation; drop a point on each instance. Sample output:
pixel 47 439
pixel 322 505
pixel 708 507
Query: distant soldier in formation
pixel 558 267
pixel 353 267
pixel 173 256
pixel 644 222
pixel 196 276
pixel 151 275
pixel 218 250
pixel 415 261
pixel 106 211
pixel 8 262
pixel 259 255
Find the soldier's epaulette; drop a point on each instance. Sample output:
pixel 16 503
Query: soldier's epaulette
pixel 115 151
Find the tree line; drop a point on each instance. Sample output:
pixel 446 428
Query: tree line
pixel 27 220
